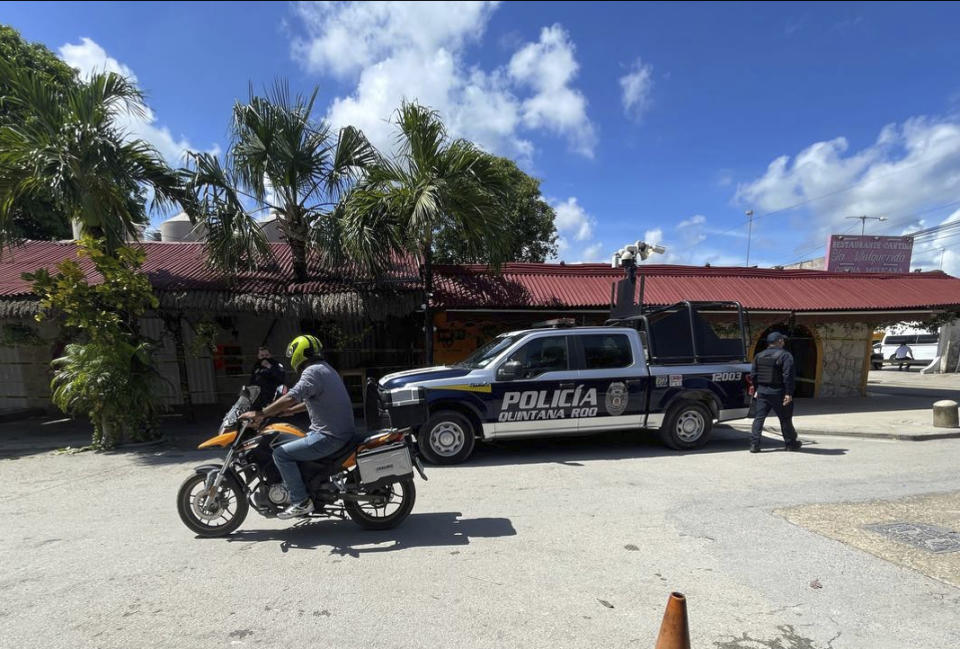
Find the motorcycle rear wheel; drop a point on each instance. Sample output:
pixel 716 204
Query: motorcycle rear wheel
pixel 371 517
pixel 231 506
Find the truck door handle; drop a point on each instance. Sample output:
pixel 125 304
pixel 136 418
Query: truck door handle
pixel 567 386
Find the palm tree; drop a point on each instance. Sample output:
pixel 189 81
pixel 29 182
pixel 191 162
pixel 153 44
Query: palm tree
pixel 75 154
pixel 282 163
pixel 434 184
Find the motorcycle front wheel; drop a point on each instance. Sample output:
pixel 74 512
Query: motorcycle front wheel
pixel 222 517
pixel 392 506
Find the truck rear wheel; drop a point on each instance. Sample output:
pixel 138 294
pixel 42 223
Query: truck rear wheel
pixel 688 425
pixel 447 438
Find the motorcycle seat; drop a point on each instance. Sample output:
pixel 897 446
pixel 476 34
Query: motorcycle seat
pixel 338 458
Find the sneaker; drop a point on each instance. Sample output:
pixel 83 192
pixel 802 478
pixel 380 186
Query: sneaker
pixel 754 449
pixel 794 445
pixel 300 509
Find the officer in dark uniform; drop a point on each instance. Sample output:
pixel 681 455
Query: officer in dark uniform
pixel 774 376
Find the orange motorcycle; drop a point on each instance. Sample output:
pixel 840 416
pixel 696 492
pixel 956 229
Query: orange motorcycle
pixel 370 479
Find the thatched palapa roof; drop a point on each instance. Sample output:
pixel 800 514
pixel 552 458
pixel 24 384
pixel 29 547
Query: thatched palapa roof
pixel 183 280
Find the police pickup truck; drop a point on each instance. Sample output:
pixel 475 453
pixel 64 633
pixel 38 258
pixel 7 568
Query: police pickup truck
pixel 564 380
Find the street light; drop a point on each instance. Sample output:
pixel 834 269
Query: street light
pixel 863 221
pixel 749 214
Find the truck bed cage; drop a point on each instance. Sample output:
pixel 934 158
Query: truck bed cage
pixel 678 334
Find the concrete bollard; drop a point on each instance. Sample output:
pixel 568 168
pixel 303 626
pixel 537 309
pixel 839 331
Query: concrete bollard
pixel 945 414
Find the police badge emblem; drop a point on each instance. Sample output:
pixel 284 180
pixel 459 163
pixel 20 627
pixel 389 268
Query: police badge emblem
pixel 617 397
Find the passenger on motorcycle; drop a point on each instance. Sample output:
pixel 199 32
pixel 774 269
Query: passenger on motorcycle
pixel 321 392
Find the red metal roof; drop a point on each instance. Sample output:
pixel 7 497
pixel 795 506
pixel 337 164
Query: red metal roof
pixel 183 267
pixel 588 286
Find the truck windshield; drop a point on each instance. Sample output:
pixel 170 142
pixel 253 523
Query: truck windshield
pixel 483 356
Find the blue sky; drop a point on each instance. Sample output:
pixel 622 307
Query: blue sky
pixel 656 121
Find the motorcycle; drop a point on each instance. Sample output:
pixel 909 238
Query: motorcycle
pixel 370 480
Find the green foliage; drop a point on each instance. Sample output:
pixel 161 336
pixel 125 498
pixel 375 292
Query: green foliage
pixel 109 375
pixel 436 186
pixel 104 312
pixel 284 163
pixel 76 155
pixel 38 216
pixel 16 334
pixel 204 338
pixel 532 233
pixel 112 384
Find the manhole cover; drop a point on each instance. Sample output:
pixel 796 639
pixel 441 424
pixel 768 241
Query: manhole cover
pixel 920 535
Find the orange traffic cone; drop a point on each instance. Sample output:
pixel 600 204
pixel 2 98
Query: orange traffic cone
pixel 674 632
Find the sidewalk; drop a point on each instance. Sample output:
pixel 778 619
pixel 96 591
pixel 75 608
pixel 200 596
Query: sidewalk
pixel 897 407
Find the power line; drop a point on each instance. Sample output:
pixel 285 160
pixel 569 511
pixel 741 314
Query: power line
pixel 753 217
pixel 909 218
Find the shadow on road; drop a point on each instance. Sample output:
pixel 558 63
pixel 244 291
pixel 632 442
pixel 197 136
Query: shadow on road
pixel 927 393
pixel 573 451
pixel 345 538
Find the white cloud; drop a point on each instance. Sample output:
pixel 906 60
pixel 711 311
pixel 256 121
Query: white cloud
pixel 637 87
pixel 88 58
pixel 696 219
pixel 573 220
pixel 548 66
pixel 415 51
pixel 346 37
pixel 596 252
pixel 575 230
pixel 910 168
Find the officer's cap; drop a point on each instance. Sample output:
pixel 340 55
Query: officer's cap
pixel 776 336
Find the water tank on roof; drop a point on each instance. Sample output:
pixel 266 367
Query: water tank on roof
pixel 271 228
pixel 179 228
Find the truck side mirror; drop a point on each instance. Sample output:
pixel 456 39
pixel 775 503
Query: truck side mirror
pixel 509 371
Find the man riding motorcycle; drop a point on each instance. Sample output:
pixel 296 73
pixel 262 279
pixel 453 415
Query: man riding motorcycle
pixel 321 392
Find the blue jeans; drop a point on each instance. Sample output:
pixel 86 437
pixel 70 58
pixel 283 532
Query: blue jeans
pixel 314 446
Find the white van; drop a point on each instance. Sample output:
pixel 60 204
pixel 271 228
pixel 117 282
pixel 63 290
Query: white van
pixel 922 343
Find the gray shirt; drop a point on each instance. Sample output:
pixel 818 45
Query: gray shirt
pixel 328 403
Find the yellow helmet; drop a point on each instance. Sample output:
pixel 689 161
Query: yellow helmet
pixel 302 349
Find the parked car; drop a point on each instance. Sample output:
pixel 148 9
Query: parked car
pixel 922 343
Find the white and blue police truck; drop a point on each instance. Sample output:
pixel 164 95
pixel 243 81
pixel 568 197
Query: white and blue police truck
pixel 665 369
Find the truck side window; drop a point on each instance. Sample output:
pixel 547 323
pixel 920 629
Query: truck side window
pixel 606 351
pixel 542 355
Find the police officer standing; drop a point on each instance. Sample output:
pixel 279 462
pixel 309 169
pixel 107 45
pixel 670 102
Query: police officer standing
pixel 774 376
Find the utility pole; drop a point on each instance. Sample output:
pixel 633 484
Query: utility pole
pixel 863 221
pixel 749 214
pixel 942 250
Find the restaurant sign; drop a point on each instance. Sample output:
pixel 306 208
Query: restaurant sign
pixel 865 254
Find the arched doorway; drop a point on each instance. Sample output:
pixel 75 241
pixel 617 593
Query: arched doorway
pixel 801 344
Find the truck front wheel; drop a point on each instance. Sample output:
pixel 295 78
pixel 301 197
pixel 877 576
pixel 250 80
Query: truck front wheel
pixel 688 425
pixel 447 438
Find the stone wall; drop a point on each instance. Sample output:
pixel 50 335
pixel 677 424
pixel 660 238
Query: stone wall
pixel 950 347
pixel 844 355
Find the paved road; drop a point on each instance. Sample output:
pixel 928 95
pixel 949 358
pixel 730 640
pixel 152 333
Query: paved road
pixel 571 543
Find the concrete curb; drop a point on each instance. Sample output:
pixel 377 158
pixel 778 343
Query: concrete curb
pixel 947 433
pixel 901 437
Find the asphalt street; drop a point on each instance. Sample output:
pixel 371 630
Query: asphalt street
pixel 559 543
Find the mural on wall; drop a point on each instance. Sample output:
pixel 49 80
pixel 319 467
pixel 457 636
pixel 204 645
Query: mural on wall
pixel 455 338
